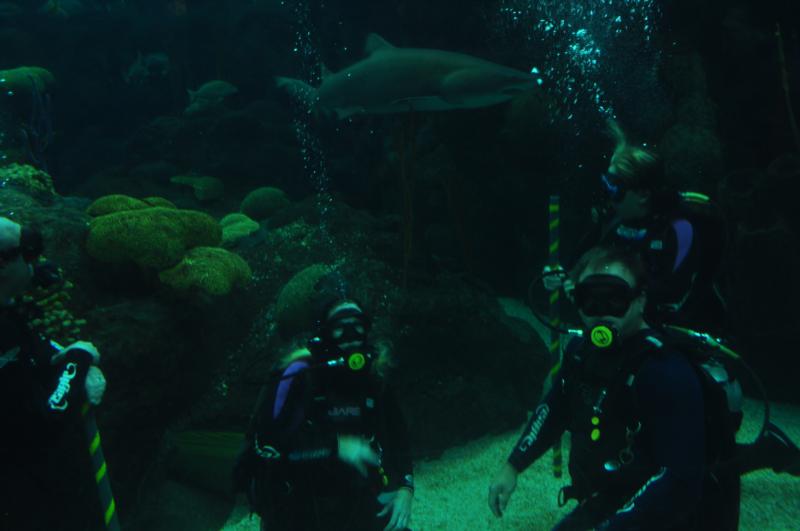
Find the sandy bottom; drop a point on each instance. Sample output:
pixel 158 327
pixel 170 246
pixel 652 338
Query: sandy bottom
pixel 452 491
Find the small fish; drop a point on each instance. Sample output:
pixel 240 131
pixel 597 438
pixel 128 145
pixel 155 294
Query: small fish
pixel 210 94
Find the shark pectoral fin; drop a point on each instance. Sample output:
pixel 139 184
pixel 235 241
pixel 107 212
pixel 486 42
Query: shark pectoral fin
pixel 326 72
pixel 375 42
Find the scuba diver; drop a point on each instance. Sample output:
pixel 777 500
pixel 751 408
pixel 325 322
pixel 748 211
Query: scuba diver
pixel 328 445
pixel 681 237
pixel 647 428
pixel 42 387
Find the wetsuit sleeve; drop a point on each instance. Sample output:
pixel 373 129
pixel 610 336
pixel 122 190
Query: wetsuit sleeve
pixel 395 441
pixel 281 432
pixel 677 266
pixel 543 429
pixel 673 431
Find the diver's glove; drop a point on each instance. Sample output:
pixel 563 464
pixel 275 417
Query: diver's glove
pixel 95 385
pixel 357 452
pixel 399 504
pixel 556 277
pixel 501 489
pixel 553 277
pixel 77 374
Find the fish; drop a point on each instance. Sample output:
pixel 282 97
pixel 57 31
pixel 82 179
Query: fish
pixel 209 95
pixel 61 8
pixel 398 80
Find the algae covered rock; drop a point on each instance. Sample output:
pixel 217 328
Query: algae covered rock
pixel 293 307
pixel 26 79
pixel 263 202
pixel 205 188
pixel 212 270
pixel 155 237
pixel 28 178
pixel 237 226
pixel 159 202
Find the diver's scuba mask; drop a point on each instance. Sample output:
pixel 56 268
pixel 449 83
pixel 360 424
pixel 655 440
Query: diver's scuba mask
pixel 602 296
pixel 341 340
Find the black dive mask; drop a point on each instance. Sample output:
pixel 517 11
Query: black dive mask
pixel 604 295
pixel 342 339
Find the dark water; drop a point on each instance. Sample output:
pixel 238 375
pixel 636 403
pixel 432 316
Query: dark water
pixel 431 212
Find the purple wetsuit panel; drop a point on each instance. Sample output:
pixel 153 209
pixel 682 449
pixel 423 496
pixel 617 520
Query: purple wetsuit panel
pixel 285 385
pixel 685 234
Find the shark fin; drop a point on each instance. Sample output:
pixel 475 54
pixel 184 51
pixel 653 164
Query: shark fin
pixel 375 42
pixel 326 72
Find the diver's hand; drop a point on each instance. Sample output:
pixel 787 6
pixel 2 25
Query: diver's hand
pixel 357 452
pixel 501 489
pixel 553 277
pixel 95 385
pixel 399 503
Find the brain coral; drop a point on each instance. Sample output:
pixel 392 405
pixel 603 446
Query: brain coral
pixel 293 308
pixel 155 237
pixel 263 202
pixel 236 226
pixel 212 270
pixel 119 202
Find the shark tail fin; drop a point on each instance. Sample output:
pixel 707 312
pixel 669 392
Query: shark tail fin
pixel 299 90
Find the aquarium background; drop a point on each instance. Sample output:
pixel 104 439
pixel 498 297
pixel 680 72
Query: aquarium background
pixel 438 219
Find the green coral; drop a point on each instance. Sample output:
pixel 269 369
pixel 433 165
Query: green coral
pixel 236 226
pixel 24 78
pixel 119 203
pixel 27 178
pixel 154 237
pixel 159 202
pixel 212 270
pixel 293 307
pixel 263 202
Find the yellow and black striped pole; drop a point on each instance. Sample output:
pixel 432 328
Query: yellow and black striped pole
pixel 100 469
pixel 554 220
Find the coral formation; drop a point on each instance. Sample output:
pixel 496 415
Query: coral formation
pixel 213 270
pixel 26 79
pixel 293 307
pixel 263 202
pixel 155 237
pixel 236 226
pixel 28 178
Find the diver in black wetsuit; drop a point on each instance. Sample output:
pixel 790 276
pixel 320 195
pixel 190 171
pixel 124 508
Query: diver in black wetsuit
pixel 42 388
pixel 328 445
pixel 636 410
pixel 682 239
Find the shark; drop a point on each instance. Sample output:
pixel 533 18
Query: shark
pixel 392 79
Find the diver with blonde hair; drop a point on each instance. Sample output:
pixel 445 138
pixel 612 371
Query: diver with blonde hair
pixel 328 446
